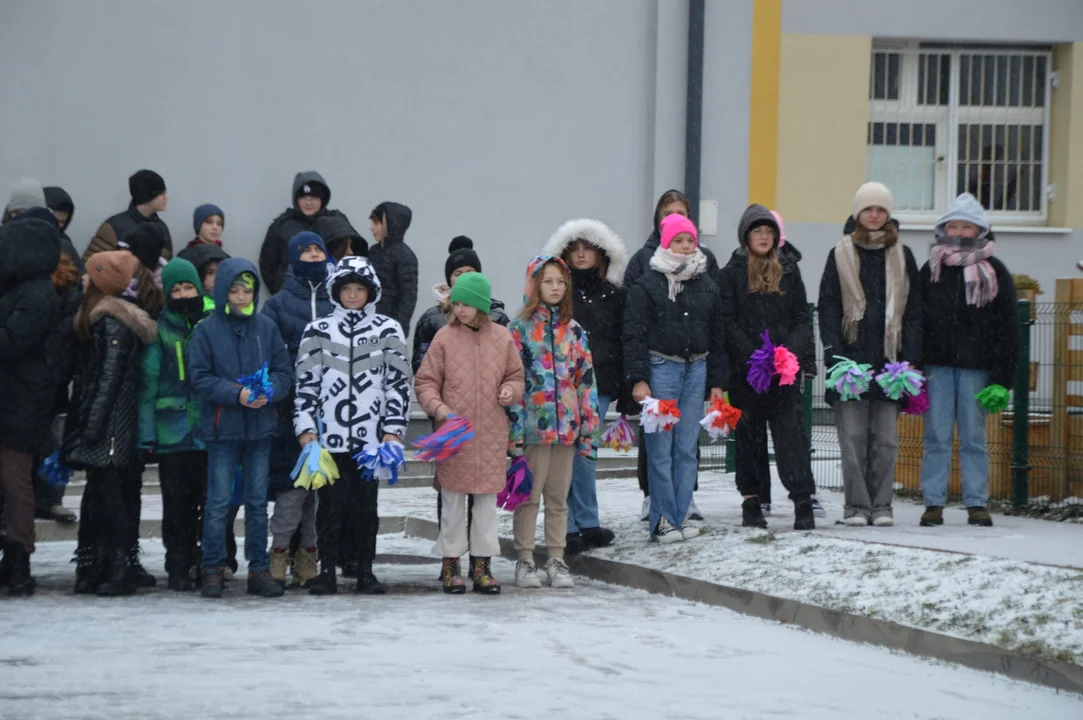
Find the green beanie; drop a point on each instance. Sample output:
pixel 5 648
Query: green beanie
pixel 473 289
pixel 179 270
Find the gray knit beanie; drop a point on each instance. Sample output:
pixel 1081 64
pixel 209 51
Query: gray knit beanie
pixel 27 194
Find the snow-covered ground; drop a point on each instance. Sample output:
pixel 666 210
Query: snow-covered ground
pixel 969 592
pixel 594 652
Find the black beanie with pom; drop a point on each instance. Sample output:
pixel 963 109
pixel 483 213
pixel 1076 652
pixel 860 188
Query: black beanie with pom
pixel 460 254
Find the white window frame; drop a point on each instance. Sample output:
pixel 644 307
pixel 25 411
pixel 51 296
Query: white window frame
pixel 948 118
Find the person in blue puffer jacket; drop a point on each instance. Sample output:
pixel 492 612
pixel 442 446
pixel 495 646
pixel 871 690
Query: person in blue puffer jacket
pixel 237 426
pixel 302 299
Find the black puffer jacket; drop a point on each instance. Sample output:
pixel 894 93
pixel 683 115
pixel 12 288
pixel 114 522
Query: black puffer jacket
pixel 396 266
pixel 57 198
pixel 598 305
pixel 966 336
pixel 785 315
pixel 435 318
pixel 869 346
pixel 65 342
pixel 29 331
pixel 274 254
pixel 641 259
pixel 101 429
pixel 691 325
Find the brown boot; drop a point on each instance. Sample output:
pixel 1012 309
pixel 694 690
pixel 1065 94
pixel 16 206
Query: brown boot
pixel 280 563
pixel 933 515
pixel 482 574
pixel 304 567
pixel 979 516
pixel 451 576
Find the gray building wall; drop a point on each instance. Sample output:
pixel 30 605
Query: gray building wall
pixel 494 119
pixel 1000 21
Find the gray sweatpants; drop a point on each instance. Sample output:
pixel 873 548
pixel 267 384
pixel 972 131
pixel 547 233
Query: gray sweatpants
pixel 869 442
pixel 293 508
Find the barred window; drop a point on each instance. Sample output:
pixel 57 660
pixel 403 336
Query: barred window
pixel 943 121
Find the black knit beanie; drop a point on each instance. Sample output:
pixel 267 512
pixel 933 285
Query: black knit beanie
pixel 145 185
pixel 146 243
pixel 461 254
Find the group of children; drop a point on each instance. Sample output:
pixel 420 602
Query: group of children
pixel 163 347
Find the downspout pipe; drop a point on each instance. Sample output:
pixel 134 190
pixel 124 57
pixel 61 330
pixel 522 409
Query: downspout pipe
pixel 693 127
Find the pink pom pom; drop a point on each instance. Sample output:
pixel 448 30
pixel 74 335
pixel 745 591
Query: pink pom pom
pixel 786 365
pixel 917 404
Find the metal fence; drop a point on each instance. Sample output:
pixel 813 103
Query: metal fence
pixel 1035 447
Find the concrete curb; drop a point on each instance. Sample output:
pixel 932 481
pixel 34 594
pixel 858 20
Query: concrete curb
pixel 845 626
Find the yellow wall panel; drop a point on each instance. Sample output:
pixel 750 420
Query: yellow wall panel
pixel 1066 137
pixel 822 125
pixel 763 103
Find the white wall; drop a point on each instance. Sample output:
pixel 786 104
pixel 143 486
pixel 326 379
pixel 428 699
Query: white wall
pixel 1023 21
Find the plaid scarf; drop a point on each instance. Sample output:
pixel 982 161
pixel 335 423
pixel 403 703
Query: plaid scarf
pixel 678 269
pixel 978 272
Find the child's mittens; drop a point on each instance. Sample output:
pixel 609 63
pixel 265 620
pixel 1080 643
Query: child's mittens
pixel 445 442
pixel 720 420
pixel 619 436
pixel 658 415
pixel 786 365
pixel 519 485
pixel 761 366
pixel 899 379
pixel 382 462
pixel 994 398
pixel 849 379
pixel 916 404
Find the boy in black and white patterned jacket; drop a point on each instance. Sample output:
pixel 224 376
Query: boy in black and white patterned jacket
pixel 353 380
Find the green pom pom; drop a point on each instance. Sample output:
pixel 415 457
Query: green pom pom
pixel 994 398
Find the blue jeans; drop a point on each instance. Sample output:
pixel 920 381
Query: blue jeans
pixel 951 400
pixel 583 494
pixel 671 456
pixel 222 459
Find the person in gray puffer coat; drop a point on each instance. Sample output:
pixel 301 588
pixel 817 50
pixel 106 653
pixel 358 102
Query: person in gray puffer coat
pixel 311 195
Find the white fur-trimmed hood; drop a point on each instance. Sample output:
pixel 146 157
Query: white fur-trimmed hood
pixel 596 233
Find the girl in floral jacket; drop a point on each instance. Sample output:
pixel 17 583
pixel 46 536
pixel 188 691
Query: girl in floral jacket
pixel 558 415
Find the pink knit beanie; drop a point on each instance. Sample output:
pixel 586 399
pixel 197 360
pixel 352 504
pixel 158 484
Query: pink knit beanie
pixel 674 225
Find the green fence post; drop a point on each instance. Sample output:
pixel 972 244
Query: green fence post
pixel 1021 412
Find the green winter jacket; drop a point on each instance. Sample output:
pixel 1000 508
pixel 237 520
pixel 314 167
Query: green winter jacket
pixel 170 415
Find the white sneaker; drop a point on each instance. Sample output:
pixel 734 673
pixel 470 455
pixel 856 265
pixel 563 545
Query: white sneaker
pixel 665 533
pixel 559 575
pixel 526 575
pixel 817 508
pixel 693 512
pixel 645 510
pixel 689 532
pixel 884 521
pixel 855 521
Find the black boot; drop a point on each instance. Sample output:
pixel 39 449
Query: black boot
pixel 5 569
pixel 573 544
pixel 212 582
pixel 86 572
pixel 597 537
pixel 21 584
pixel 367 584
pixel 752 513
pixel 802 514
pixel 137 574
pixel 180 578
pixel 117 581
pixel 262 584
pixel 325 583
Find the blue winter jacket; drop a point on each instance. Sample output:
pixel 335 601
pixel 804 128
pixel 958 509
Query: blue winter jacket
pixel 226 346
pixel 294 306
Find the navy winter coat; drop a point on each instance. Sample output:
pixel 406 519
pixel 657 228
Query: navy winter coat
pixel 226 346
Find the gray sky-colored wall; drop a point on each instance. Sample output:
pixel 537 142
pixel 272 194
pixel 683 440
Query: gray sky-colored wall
pixel 1023 21
pixel 494 119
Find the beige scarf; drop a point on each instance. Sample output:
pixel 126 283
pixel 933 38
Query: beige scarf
pixel 853 295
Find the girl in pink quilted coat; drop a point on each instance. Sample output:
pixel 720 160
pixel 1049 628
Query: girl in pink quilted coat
pixel 472 368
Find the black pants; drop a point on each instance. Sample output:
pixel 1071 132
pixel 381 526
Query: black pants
pixel 365 523
pixel 106 512
pixel 133 502
pixel 183 477
pixel 781 407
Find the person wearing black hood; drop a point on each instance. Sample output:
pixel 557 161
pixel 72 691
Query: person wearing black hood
pixel 394 262
pixel 29 317
pixel 59 201
pixel 341 237
pixel 672 202
pixel 760 293
pixel 311 195
pixel 149 198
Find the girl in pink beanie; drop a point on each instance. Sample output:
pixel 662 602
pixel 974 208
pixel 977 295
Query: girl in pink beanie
pixel 674 225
